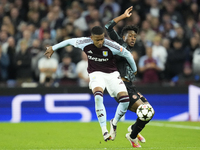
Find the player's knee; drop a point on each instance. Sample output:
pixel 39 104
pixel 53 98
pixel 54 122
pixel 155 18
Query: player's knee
pixel 125 104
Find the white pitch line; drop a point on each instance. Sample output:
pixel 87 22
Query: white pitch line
pixel 169 125
pixel 174 126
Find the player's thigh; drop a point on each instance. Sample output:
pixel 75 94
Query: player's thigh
pixel 136 98
pixel 115 85
pixel 96 80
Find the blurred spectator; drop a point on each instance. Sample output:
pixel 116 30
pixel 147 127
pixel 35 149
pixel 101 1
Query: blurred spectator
pixel 175 15
pixel 69 13
pixel 27 38
pixel 4 63
pixel 154 8
pixel 23 64
pixel 194 10
pixel 59 35
pixel 155 24
pixel 193 45
pixel 44 28
pixel 55 20
pixel 186 77
pixel 149 67
pixel 176 58
pixel 34 50
pixel 19 32
pixel 47 68
pixel 150 34
pixel 196 60
pixel 73 52
pixel 58 14
pixel 190 27
pixel 83 21
pixel 54 23
pixel 22 7
pixel 78 32
pixel 66 72
pixel 10 49
pixel 180 34
pixel 159 51
pixel 32 29
pixel 36 6
pixel 34 18
pixel 9 25
pixel 109 10
pixel 198 23
pixel 1 13
pixel 166 26
pixel 3 37
pixel 6 5
pixel 42 46
pixel 81 69
pixel 14 16
pixel 166 43
pixel 69 30
pixel 140 43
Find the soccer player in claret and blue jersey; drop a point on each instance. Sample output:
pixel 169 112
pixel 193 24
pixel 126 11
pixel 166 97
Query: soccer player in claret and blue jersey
pixel 102 73
pixel 128 40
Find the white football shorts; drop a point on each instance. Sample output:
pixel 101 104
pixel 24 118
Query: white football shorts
pixel 111 81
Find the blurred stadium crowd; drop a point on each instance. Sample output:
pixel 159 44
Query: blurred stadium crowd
pixel 167 50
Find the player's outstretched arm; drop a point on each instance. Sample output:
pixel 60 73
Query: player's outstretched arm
pixel 126 14
pixel 49 52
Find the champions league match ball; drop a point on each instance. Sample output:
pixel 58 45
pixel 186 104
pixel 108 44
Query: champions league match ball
pixel 145 112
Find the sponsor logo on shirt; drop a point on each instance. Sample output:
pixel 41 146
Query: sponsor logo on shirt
pixel 97 59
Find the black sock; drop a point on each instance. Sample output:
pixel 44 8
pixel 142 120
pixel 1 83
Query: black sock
pixel 137 127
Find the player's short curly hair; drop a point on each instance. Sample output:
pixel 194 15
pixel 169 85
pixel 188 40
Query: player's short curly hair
pixel 128 28
pixel 97 30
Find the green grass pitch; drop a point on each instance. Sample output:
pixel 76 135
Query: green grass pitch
pixel 160 135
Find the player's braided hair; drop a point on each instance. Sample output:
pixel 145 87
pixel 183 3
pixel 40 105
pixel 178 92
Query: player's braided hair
pixel 128 28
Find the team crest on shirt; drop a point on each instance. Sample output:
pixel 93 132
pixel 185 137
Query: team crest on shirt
pixel 105 53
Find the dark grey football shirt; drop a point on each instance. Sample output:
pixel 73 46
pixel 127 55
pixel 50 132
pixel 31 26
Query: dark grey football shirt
pixel 122 64
pixel 99 59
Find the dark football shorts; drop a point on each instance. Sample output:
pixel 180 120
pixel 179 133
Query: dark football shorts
pixel 133 93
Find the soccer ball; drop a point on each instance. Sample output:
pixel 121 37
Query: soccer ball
pixel 145 112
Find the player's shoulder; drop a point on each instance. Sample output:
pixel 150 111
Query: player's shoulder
pixel 112 44
pixel 84 40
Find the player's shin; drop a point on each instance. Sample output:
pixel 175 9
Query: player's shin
pixel 137 127
pixel 100 110
pixel 121 109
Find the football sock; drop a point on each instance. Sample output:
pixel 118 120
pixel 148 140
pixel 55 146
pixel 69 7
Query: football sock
pixel 104 129
pixel 100 110
pixel 137 127
pixel 121 108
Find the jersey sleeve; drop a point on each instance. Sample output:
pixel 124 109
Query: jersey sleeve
pixel 119 50
pixel 76 42
pixel 112 33
pixel 126 54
